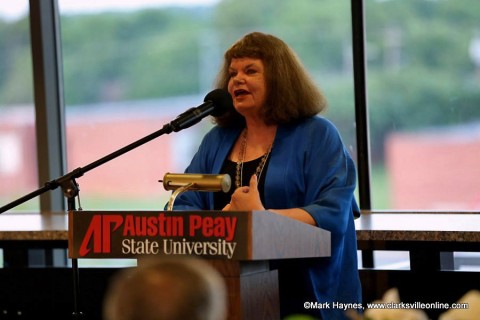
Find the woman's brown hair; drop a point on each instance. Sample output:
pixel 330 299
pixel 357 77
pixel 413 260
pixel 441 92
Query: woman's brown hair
pixel 291 93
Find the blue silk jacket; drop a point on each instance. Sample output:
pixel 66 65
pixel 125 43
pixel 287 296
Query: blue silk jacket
pixel 309 168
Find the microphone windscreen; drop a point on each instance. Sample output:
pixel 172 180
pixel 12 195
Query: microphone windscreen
pixel 222 101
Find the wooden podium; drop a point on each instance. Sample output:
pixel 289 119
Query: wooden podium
pixel 238 244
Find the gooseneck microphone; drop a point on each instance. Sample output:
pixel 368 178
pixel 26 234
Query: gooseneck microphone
pixel 197 182
pixel 216 103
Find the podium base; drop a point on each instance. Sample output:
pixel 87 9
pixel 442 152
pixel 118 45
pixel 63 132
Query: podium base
pixel 253 291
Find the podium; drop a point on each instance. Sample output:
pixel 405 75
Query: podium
pixel 239 245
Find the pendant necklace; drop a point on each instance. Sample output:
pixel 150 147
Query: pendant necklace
pixel 241 158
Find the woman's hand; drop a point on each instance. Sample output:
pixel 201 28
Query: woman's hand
pixel 246 198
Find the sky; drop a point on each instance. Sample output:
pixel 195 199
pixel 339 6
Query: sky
pixel 12 10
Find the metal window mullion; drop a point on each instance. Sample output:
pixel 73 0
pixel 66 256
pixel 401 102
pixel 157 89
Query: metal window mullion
pixel 361 106
pixel 48 95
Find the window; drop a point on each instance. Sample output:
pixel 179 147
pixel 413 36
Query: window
pixel 423 95
pixel 129 71
pixel 18 165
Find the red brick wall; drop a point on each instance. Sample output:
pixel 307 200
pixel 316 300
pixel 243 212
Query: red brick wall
pixel 135 173
pixel 437 171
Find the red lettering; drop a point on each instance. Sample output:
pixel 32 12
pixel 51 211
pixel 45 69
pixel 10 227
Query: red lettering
pixel 129 226
pixel 170 226
pixel 99 232
pixel 195 224
pixel 94 232
pixel 219 229
pixel 107 229
pixel 207 228
pixel 152 228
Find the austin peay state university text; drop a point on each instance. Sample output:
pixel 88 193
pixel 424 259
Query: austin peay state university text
pixel 129 234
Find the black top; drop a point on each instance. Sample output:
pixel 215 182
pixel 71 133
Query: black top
pixel 221 199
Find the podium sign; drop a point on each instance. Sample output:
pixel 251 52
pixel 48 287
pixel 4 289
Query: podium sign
pixel 257 235
pixel 139 233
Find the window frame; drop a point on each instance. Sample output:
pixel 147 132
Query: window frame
pixel 48 99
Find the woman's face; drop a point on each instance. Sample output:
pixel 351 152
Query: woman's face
pixel 247 85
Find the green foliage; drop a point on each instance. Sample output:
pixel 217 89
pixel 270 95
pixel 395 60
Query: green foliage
pixel 15 63
pixel 130 56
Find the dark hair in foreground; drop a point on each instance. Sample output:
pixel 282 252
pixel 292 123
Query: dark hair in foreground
pixel 291 93
pixel 166 289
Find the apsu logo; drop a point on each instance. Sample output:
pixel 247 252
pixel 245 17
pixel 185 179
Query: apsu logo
pixel 98 234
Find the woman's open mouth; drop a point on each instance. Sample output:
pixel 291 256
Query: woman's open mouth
pixel 240 92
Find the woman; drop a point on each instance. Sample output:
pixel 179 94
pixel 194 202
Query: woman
pixel 284 158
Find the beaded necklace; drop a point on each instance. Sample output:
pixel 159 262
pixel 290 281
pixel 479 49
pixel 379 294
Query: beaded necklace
pixel 241 158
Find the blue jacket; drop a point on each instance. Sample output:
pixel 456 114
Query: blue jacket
pixel 309 168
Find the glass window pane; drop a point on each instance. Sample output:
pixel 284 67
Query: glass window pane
pixel 18 164
pixel 129 71
pixel 424 96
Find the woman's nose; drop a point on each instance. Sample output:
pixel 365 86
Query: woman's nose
pixel 238 79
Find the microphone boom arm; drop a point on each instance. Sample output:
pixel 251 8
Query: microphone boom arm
pixel 67 181
pixel 216 102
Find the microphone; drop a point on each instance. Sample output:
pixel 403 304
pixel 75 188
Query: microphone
pixel 216 103
pixel 200 182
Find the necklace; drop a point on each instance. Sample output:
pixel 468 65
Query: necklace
pixel 241 158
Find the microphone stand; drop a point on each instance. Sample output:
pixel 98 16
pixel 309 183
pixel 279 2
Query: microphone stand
pixel 70 190
pixel 215 103
pixel 67 181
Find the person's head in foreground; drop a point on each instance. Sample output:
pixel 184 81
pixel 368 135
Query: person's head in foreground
pixel 166 289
